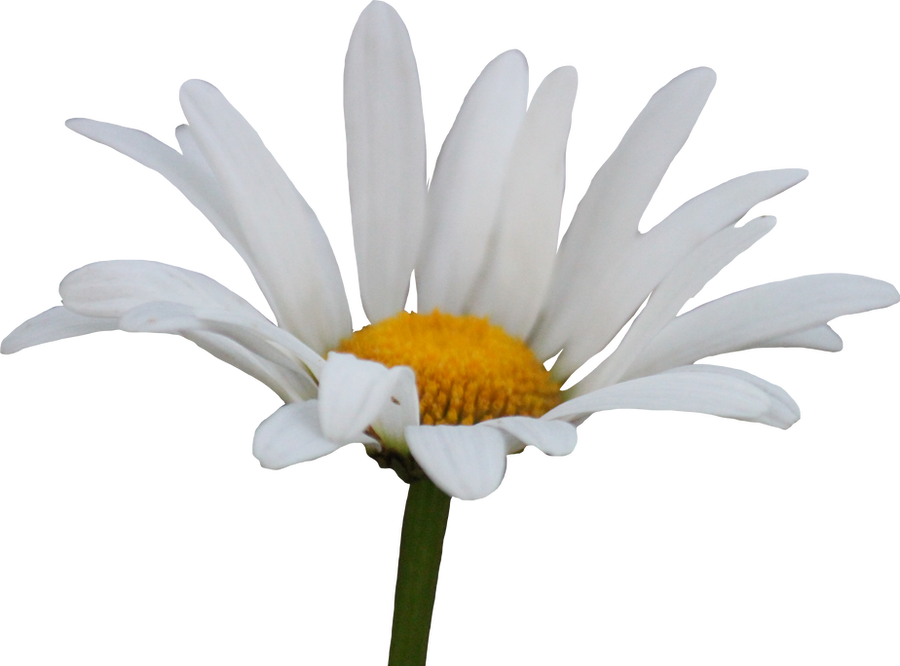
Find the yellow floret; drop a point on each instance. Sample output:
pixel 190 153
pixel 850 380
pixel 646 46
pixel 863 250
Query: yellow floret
pixel 467 370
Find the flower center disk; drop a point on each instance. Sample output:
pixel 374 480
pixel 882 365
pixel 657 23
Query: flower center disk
pixel 467 369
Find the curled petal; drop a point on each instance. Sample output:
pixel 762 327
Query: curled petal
pixel 355 394
pixel 291 435
pixel 554 438
pixel 467 462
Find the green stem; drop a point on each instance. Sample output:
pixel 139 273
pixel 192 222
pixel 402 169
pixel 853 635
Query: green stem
pixel 421 543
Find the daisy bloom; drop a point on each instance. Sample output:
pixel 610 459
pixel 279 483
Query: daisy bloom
pixel 481 310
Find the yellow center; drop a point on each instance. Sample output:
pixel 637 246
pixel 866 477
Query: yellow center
pixel 467 370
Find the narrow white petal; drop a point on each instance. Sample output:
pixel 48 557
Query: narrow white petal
pixel 607 217
pixel 291 435
pixel 465 190
pixel 55 324
pixel 682 284
pixel 291 385
pixel 605 296
pixel 756 316
pixel 728 395
pixel 783 411
pixel 182 168
pixel 262 338
pixel 385 157
pixel 294 264
pixel 467 462
pixel 555 438
pixel 822 338
pixel 355 394
pixel 515 280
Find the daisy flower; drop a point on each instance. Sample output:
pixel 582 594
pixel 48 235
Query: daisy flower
pixel 448 392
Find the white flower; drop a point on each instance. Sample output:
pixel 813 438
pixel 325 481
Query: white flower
pixel 482 241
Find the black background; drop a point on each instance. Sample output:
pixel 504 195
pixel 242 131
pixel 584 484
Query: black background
pixel 131 453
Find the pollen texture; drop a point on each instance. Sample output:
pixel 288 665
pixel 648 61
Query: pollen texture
pixel 467 370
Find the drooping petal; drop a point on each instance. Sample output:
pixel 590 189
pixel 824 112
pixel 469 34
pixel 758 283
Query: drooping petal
pixel 467 462
pixel 291 435
pixel 783 410
pixel 385 157
pixel 607 217
pixel 55 324
pixel 720 392
pixel 261 338
pixel 682 284
pixel 645 261
pixel 154 297
pixel 295 266
pixel 555 438
pixel 291 385
pixel 465 190
pixel 515 280
pixel 59 323
pixel 355 394
pixel 755 316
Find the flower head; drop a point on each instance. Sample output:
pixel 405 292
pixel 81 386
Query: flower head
pixel 450 391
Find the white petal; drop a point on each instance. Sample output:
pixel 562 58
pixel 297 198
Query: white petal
pixel 731 395
pixel 669 297
pixel 467 462
pixel 111 288
pixel 295 266
pixel 465 189
pixel 754 317
pixel 59 323
pixel 291 435
pixel 355 394
pixel 608 215
pixel 55 324
pixel 644 262
pixel 146 296
pixel 182 168
pixel 783 411
pixel 291 385
pixel 822 338
pixel 555 438
pixel 249 329
pixel 516 279
pixel 385 157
